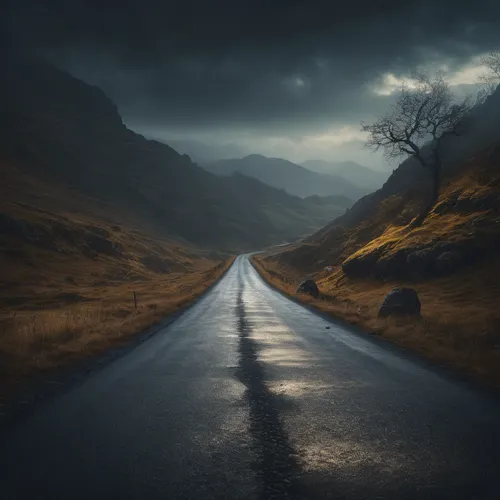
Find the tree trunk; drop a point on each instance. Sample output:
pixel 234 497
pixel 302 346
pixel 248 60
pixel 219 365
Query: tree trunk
pixel 436 184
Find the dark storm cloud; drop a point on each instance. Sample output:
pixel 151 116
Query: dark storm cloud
pixel 250 64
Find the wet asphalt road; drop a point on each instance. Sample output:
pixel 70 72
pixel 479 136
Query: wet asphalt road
pixel 248 396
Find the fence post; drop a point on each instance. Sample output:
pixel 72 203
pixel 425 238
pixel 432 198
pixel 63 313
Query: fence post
pixel 135 300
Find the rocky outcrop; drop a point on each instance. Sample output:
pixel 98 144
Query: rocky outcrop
pixel 400 302
pixel 468 204
pixel 309 287
pixel 361 266
pixel 438 259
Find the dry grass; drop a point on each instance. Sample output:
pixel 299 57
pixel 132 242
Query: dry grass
pixel 61 300
pixel 384 228
pixel 35 340
pixel 460 323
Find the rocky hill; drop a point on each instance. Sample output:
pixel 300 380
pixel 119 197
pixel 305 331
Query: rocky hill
pixel 451 260
pixel 62 130
pixel 462 229
pixel 411 182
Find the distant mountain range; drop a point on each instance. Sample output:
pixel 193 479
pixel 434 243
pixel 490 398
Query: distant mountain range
pixel 283 174
pixel 362 177
pixel 63 132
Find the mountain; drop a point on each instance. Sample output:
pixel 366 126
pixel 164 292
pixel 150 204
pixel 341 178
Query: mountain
pixel 203 153
pixel 471 164
pixel 103 232
pixel 451 260
pixel 70 267
pixel 64 131
pixel 284 174
pixel 364 177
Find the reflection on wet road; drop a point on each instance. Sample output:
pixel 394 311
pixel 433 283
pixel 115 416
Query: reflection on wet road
pixel 248 396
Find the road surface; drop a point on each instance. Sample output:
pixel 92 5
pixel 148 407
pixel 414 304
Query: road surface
pixel 248 396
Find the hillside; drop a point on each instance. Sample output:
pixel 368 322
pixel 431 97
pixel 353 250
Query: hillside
pixel 69 265
pixel 451 260
pixel 363 177
pixel 62 130
pixel 293 178
pixel 465 220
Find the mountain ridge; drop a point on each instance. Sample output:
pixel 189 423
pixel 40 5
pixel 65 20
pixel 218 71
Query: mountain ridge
pixel 284 174
pixel 365 177
pixel 57 126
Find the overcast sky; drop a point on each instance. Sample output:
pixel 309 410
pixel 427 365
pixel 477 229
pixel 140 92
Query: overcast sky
pixel 282 78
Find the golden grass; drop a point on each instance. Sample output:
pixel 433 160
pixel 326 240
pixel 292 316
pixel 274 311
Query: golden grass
pixel 34 340
pixel 460 323
pixel 385 227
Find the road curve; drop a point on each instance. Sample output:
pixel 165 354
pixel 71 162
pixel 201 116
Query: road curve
pixel 248 396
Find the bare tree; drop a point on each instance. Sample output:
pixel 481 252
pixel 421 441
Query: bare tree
pixel 425 112
pixel 490 80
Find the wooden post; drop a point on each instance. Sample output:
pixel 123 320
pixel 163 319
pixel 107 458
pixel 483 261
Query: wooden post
pixel 135 300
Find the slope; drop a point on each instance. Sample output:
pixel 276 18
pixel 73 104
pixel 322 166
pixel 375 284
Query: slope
pixel 451 260
pixel 91 212
pixel 286 175
pixel 69 265
pixel 61 129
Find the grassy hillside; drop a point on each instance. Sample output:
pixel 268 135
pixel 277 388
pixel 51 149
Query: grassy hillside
pixel 451 260
pixel 68 275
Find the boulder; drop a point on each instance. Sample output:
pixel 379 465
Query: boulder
pixel 310 287
pixel 400 302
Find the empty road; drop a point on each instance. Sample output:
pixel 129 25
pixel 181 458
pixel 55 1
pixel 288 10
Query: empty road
pixel 248 396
